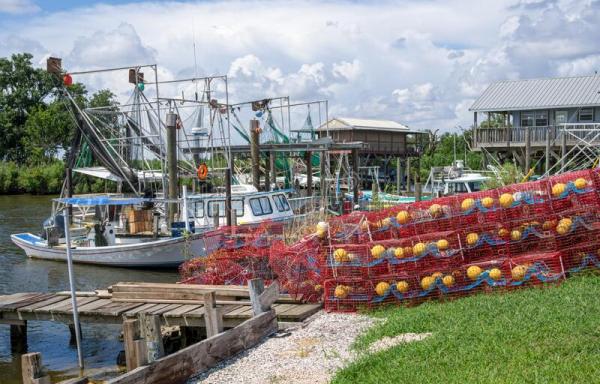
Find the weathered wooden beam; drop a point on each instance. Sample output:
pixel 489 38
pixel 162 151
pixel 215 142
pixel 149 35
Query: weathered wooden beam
pixel 212 315
pixel 256 287
pixel 527 150
pixel 31 369
pixel 18 337
pixel 179 366
pixel 131 335
pixel 269 296
pixel 77 380
pixel 150 331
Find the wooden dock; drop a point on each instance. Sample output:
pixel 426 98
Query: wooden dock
pixel 101 307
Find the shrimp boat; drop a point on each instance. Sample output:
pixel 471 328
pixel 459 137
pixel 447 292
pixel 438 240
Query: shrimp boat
pixel 132 232
pixel 128 142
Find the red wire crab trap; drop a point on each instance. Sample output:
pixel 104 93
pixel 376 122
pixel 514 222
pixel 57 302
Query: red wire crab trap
pixel 524 200
pixel 573 190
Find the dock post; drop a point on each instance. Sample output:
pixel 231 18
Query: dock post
pixel 548 139
pixel 563 149
pixel 267 172
pixel 150 330
pixel 73 339
pixel 398 169
pixel 135 346
pixel 527 150
pixel 417 189
pixel 18 338
pixel 172 163
pixel 322 174
pixel 216 216
pixel 228 196
pixel 255 152
pixel 256 287
pixel 272 171
pixel 408 174
pixel 212 315
pixel 355 176
pixel 309 179
pixel 31 369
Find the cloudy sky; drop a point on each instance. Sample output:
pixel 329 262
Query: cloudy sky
pixel 420 62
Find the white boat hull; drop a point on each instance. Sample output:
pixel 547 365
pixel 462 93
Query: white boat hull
pixel 160 253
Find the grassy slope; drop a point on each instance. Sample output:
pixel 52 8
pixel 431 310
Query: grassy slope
pixel 531 335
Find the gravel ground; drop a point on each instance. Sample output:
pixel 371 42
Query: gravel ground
pixel 310 352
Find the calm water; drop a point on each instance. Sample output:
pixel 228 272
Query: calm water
pixel 21 274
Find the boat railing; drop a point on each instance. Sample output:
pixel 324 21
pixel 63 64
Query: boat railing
pixel 304 204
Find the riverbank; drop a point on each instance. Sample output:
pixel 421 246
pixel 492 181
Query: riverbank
pixel 46 179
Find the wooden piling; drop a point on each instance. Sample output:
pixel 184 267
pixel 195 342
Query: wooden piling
pixel 31 369
pixel 527 150
pixel 547 152
pixel 355 176
pixel 563 149
pixel 18 337
pixel 228 196
pixel 408 174
pixel 255 152
pixel 272 171
pixel 212 315
pixel 309 179
pixel 262 299
pixel 398 179
pixel 216 216
pixel 150 331
pixel 322 174
pixel 135 346
pixel 267 172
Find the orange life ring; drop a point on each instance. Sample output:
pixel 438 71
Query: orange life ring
pixel 202 171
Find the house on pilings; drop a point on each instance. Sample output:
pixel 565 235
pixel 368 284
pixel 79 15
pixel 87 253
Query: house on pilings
pixel 388 144
pixel 551 124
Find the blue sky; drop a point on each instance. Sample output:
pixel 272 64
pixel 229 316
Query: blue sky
pixel 421 63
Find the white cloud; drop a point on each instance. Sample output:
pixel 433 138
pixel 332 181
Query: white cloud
pixel 18 6
pixel 421 63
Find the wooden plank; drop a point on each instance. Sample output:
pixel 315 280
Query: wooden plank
pixel 169 301
pixel 90 308
pixel 236 311
pixel 15 298
pixel 282 308
pixel 40 304
pixel 300 312
pixel 221 290
pixel 67 307
pixel 195 313
pixel 49 308
pixel 116 309
pixel 168 308
pixel 131 333
pixel 77 380
pixel 181 310
pixel 135 311
pixel 23 303
pixel 179 366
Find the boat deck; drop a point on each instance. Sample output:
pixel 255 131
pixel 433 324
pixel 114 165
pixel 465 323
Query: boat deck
pixel 100 307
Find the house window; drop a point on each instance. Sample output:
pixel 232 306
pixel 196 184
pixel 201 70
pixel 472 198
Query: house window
pixel 527 119
pixel 541 118
pixel 561 117
pixel 586 114
pixel 261 206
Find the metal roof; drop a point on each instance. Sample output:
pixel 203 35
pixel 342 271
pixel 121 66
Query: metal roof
pixel 348 123
pixel 560 92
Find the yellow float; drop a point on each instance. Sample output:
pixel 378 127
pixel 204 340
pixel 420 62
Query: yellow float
pixel 381 288
pixel 341 291
pixel 377 251
pixel 506 200
pixel 442 244
pixel 515 235
pixel 580 183
pixel 467 204
pixel 437 275
pixel 472 238
pixel 403 217
pixel 419 248
pixel 448 281
pixel 427 282
pixel 340 255
pixel 503 233
pixel 399 252
pixel 487 202
pixel 495 274
pixel 435 210
pixel 558 189
pixel 518 272
pixel 473 272
pixel 402 286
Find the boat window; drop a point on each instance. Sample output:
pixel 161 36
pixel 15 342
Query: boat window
pixel 199 208
pixel 238 205
pixel 475 186
pixel 261 206
pixel 281 203
pixel 212 206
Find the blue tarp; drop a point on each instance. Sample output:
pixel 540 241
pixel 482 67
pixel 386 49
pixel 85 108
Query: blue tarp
pixel 102 200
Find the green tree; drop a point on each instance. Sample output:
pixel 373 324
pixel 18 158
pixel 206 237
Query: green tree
pixel 443 153
pixel 22 90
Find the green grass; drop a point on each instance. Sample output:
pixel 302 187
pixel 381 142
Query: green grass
pixel 532 335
